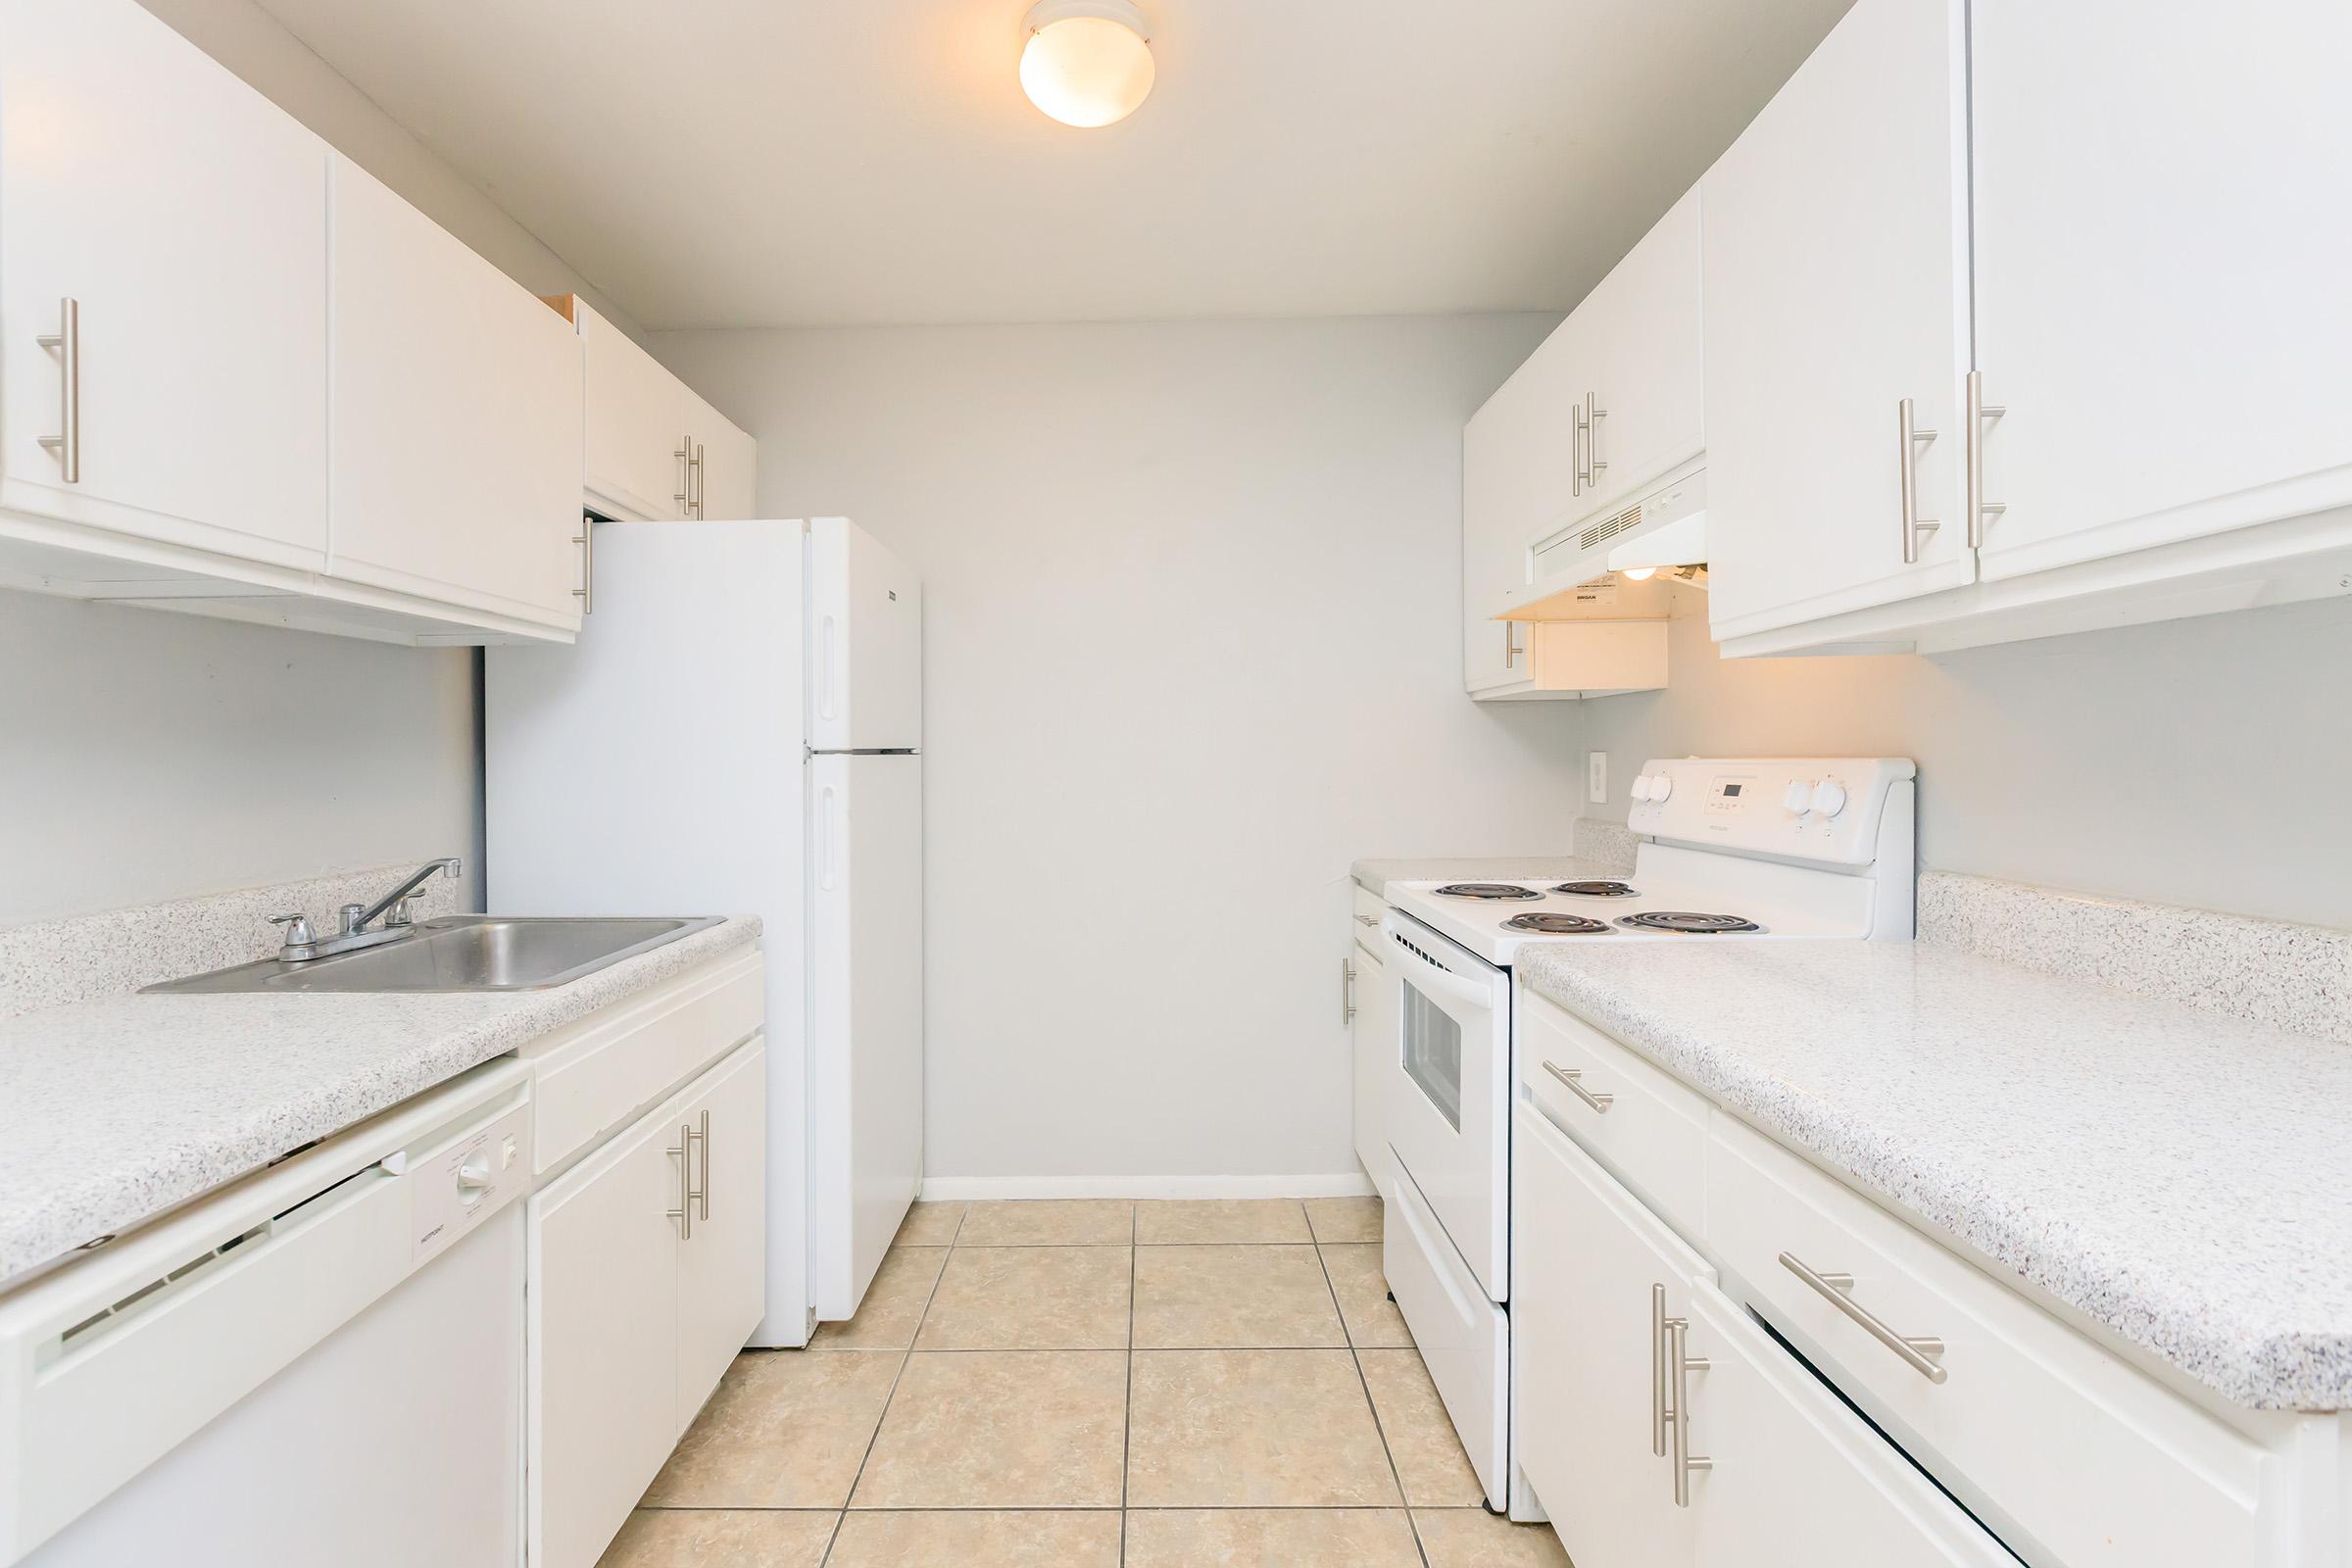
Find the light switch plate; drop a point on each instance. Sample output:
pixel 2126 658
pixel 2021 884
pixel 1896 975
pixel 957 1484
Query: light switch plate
pixel 1597 777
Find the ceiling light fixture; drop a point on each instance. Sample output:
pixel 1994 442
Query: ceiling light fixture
pixel 1086 62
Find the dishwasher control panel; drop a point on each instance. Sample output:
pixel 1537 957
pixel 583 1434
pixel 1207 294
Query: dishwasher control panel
pixel 466 1180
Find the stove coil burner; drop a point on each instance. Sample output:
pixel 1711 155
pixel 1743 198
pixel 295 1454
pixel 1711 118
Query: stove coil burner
pixel 1488 892
pixel 1598 889
pixel 1555 925
pixel 1685 923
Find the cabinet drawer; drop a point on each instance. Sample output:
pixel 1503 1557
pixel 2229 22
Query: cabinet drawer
pixel 1365 919
pixel 1653 1134
pixel 2071 1455
pixel 593 1076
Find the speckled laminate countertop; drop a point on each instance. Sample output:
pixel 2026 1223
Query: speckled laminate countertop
pixel 2181 1179
pixel 1374 875
pixel 113 1111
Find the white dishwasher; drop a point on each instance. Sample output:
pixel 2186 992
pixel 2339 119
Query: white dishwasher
pixel 320 1363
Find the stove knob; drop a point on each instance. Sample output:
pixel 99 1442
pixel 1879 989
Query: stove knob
pixel 1641 788
pixel 1829 797
pixel 1799 797
pixel 1661 785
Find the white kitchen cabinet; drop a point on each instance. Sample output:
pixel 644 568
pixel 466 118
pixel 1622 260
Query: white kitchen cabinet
pixel 1643 403
pixel 604 1391
pixel 1519 456
pixel 1836 290
pixel 647 1274
pixel 182 219
pixel 1372 1036
pixel 1794 1478
pixel 722 1280
pixel 1568 658
pixel 456 429
pixel 1597 1278
pixel 2161 253
pixel 658 452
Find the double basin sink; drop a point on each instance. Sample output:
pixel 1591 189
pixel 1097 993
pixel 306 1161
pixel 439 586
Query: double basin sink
pixel 459 953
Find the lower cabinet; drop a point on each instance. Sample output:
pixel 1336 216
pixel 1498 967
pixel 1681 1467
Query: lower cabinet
pixel 1661 1426
pixel 646 1277
pixel 1372 1033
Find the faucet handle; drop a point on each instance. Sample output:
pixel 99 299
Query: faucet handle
pixel 404 913
pixel 298 929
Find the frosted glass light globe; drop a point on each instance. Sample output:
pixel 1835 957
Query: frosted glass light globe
pixel 1087 62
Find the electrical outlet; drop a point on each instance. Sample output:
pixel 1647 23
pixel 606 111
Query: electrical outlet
pixel 1597 777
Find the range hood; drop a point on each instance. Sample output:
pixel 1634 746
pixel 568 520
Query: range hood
pixel 1665 527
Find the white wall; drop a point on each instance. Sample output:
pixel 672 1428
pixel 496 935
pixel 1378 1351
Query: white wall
pixel 146 756
pixel 2201 762
pixel 1192 612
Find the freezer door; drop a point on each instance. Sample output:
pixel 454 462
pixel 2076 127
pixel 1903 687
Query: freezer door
pixel 865 1016
pixel 866 653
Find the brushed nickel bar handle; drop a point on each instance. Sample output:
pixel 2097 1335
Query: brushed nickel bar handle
pixel 1579 432
pixel 1686 1464
pixel 685 496
pixel 1657 1370
pixel 1347 992
pixel 703 1197
pixel 66 445
pixel 683 1149
pixel 585 593
pixel 1510 644
pixel 698 484
pixel 1365 919
pixel 1574 1078
pixel 1918 1351
pixel 1911 439
pixel 1979 410
pixel 1593 463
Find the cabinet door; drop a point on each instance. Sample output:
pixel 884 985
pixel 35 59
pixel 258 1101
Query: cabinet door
pixel 636 417
pixel 455 428
pixel 2161 250
pixel 725 476
pixel 604 1366
pixel 1373 1033
pixel 1796 1480
pixel 1836 287
pixel 723 1265
pixel 185 216
pixel 1517 471
pixel 1595 1274
pixel 1645 366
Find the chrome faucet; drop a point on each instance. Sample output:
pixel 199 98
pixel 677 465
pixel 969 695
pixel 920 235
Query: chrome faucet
pixel 301 945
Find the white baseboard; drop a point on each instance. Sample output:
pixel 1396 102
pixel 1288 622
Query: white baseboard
pixel 966 1189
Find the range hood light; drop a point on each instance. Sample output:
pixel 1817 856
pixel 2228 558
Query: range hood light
pixel 1088 63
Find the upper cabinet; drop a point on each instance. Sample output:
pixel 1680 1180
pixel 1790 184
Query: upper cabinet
pixel 163 295
pixel 456 438
pixel 1836 310
pixel 2120 400
pixel 1606 409
pixel 657 451
pixel 2162 248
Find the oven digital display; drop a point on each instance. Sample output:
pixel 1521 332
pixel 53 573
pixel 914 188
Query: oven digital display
pixel 1730 790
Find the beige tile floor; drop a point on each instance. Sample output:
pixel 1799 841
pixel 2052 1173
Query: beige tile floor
pixel 1091 1383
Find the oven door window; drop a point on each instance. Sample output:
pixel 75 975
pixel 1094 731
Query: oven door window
pixel 1433 1054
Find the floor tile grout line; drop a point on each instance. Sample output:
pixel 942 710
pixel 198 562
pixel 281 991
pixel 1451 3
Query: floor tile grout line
pixel 906 1360
pixel 1127 1408
pixel 1380 1427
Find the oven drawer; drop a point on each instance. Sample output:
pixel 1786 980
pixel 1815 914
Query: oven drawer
pixel 1652 1135
pixel 2071 1455
pixel 1463 1337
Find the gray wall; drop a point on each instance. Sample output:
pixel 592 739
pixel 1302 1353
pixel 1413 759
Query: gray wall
pixel 147 756
pixel 1192 600
pixel 2202 762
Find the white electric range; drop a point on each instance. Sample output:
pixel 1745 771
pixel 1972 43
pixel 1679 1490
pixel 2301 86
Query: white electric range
pixel 1733 850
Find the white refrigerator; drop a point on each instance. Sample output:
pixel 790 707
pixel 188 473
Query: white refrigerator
pixel 739 730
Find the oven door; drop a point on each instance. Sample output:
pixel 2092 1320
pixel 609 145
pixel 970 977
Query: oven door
pixel 1450 1099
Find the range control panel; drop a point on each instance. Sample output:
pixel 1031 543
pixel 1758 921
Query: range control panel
pixel 1830 808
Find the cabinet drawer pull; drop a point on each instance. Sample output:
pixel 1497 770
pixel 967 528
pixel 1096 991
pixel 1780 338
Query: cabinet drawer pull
pixel 66 445
pixel 1680 1366
pixel 1979 410
pixel 1910 438
pixel 683 1151
pixel 1918 1351
pixel 1365 919
pixel 1574 1078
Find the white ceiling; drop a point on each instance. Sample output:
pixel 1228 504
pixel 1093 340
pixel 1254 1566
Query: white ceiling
pixel 732 163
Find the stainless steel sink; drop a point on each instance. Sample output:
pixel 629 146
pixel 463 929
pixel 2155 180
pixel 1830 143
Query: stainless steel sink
pixel 461 953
